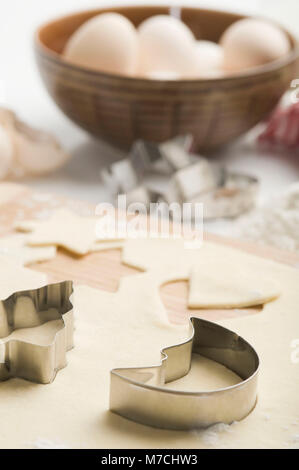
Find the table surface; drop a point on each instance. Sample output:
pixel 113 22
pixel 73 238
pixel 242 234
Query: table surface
pixel 22 90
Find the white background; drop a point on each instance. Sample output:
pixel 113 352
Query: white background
pixel 22 90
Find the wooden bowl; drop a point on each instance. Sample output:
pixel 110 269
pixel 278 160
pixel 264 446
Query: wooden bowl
pixel 121 109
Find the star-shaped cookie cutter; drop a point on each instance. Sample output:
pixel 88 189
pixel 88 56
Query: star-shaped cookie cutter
pixel 138 393
pixel 37 361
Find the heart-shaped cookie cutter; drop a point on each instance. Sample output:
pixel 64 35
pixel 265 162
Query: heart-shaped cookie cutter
pixel 32 360
pixel 138 393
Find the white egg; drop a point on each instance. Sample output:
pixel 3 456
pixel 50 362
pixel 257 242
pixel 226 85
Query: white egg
pixel 252 42
pixel 211 73
pixel 210 58
pixel 166 44
pixel 162 75
pixel 107 42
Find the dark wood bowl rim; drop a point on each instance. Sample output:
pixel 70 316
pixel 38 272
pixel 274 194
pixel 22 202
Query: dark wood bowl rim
pixel 276 65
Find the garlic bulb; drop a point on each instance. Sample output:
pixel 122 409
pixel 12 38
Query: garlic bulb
pixel 37 151
pixel 25 150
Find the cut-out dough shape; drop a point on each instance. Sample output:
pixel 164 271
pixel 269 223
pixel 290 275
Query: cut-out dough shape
pixel 211 288
pixel 218 278
pixel 15 246
pixel 13 277
pixel 66 229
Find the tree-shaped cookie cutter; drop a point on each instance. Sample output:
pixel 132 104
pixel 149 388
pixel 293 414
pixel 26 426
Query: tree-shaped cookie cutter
pixel 138 393
pixel 36 360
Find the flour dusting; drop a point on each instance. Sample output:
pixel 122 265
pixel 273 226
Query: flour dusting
pixel 276 223
pixel 42 443
pixel 210 436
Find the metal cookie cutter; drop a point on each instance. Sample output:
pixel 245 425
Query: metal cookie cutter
pixel 235 196
pixel 138 393
pixel 26 352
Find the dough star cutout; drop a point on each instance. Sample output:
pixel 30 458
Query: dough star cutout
pixel 65 229
pixel 14 246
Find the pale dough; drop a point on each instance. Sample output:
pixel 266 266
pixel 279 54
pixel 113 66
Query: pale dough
pixel 107 245
pixel 13 277
pixel 205 375
pixel 64 228
pixel 41 335
pixel 10 192
pixel 128 328
pixel 68 230
pixel 230 286
pixel 15 246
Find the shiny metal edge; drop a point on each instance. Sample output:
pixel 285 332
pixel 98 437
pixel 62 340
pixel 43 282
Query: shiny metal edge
pixel 138 394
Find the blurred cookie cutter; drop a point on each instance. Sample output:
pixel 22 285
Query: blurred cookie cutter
pixel 164 158
pixel 27 359
pixel 237 195
pixel 138 393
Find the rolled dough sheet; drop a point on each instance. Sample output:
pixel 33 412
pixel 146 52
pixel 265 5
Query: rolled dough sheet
pixel 128 328
pixel 15 246
pixel 218 278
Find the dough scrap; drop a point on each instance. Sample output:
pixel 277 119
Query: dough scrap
pixel 15 246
